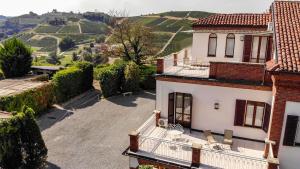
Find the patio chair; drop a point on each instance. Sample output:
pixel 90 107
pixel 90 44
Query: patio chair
pixel 228 134
pixel 210 138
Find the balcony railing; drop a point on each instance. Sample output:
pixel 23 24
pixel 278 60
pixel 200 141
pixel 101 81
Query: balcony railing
pixel 166 149
pixel 152 141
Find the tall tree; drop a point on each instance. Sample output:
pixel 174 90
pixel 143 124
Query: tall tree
pixel 136 41
pixel 15 58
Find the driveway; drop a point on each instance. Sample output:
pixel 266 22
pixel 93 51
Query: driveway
pixel 92 134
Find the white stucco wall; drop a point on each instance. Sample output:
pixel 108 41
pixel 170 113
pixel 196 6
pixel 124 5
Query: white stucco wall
pixel 204 116
pixel 289 157
pixel 200 47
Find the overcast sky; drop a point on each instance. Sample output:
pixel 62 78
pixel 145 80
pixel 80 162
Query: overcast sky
pixel 135 7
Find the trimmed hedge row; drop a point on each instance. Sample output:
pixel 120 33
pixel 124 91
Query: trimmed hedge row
pixel 39 99
pixel 111 78
pixel 73 81
pixel 22 145
pixel 125 77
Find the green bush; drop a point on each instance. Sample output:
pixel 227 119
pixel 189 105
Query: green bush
pixel 131 78
pixel 147 77
pixel 2 76
pixel 111 78
pixel 15 58
pixel 22 145
pixel 73 81
pixel 66 43
pixel 39 99
pixel 87 77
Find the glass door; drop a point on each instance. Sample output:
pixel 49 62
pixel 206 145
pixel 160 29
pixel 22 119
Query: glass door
pixel 183 109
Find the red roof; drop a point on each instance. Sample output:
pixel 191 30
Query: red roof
pixel 287 32
pixel 235 20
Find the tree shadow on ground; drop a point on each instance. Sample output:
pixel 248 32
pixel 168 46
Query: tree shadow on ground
pixel 50 165
pixel 129 101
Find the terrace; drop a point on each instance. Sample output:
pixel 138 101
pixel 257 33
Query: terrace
pixel 159 144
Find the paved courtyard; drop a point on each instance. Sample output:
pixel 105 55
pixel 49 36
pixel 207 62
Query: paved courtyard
pixel 92 134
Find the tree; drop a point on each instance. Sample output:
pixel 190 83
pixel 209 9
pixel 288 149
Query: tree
pixel 136 41
pixel 15 58
pixel 100 39
pixel 66 43
pixel 52 58
pixel 132 77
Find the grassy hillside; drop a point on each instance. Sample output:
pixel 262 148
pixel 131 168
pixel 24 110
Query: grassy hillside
pixel 94 27
pixel 73 28
pixel 43 44
pixel 182 14
pixel 47 29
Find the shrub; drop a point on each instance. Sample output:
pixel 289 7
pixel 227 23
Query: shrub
pixel 22 145
pixel 111 78
pixel 73 81
pixel 2 76
pixel 131 77
pixel 147 77
pixel 39 99
pixel 52 58
pixel 15 58
pixel 66 43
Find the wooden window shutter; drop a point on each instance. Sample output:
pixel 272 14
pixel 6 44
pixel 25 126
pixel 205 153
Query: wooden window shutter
pixel 247 48
pixel 171 108
pixel 267 118
pixel 290 130
pixel 269 49
pixel 240 107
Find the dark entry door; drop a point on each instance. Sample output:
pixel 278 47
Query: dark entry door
pixel 182 111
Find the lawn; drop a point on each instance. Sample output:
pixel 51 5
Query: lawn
pixel 181 41
pixel 93 27
pixel 47 29
pixel 69 29
pixel 46 44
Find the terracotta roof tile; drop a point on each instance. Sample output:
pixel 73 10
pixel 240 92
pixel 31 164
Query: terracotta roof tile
pixel 235 20
pixel 287 32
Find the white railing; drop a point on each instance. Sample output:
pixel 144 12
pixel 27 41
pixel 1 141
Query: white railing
pixel 166 149
pixel 226 160
pixel 148 126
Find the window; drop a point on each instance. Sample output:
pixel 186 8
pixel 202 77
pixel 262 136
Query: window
pixel 292 129
pixel 252 114
pixel 230 42
pixel 180 108
pixel 259 49
pixel 212 45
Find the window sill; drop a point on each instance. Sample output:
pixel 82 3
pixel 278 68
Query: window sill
pixel 211 55
pixel 228 56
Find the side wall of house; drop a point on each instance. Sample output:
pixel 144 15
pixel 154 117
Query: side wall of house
pixel 204 116
pixel 289 156
pixel 200 48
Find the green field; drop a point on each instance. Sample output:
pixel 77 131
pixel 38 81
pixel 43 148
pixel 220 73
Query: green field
pixel 46 44
pixel 69 29
pixel 47 29
pixel 93 27
pixel 78 38
pixel 25 36
pixel 179 14
pixel 181 41
pixel 161 39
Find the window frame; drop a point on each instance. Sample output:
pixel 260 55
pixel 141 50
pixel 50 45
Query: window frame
pixel 227 37
pixel 255 104
pixel 258 59
pixel 182 113
pixel 209 40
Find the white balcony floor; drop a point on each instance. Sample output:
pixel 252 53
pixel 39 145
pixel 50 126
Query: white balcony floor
pixel 187 71
pixel 242 153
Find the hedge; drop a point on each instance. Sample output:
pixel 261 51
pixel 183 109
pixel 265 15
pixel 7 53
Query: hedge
pixel 73 81
pixel 131 78
pixel 21 142
pixel 147 77
pixel 111 78
pixel 2 76
pixel 39 99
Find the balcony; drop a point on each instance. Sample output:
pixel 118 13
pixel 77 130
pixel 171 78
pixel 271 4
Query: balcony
pixel 159 144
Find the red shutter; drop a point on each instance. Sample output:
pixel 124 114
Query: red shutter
pixel 269 49
pixel 267 118
pixel 290 130
pixel 247 48
pixel 240 107
pixel 171 108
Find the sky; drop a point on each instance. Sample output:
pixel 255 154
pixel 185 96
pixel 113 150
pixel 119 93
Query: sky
pixel 134 7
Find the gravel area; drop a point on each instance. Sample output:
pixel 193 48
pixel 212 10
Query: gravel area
pixel 92 134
